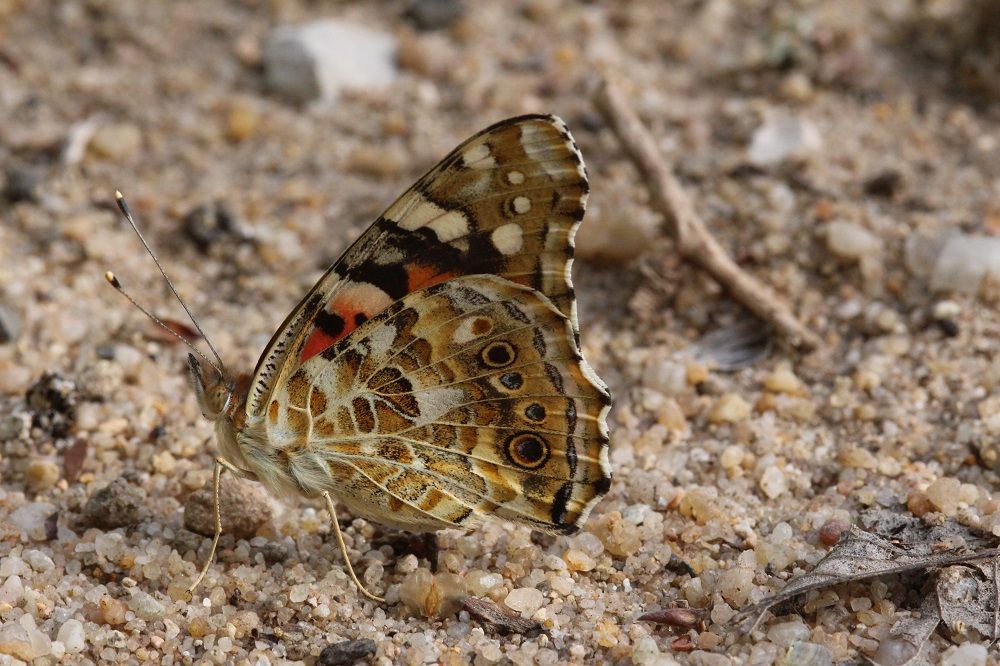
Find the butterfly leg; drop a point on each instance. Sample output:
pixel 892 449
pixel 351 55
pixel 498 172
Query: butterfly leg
pixel 343 548
pixel 220 466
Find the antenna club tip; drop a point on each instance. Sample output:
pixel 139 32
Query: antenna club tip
pixel 112 280
pixel 118 195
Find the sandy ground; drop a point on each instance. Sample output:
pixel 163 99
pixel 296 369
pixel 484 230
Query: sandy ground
pixel 727 483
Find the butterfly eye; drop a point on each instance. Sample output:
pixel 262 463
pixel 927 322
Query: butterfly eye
pixel 527 450
pixel 498 354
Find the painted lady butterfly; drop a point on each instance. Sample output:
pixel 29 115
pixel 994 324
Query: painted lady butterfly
pixel 433 376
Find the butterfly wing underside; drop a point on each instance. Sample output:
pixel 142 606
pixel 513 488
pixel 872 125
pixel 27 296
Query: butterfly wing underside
pixel 506 202
pixel 465 399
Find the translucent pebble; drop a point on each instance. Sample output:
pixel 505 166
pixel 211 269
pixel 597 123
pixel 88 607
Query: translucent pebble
pixel 773 482
pixel 645 652
pixel 112 610
pixel 735 585
pixel 525 600
pixel 479 582
pixel 39 561
pixel 730 408
pixel 110 546
pixel 967 654
pixel 30 519
pixel 944 494
pixel 298 593
pixel 15 641
pixel 146 607
pixel 577 560
pixel 588 543
pixel 12 591
pixel 802 653
pixel 71 636
pixel 563 585
pixel 786 633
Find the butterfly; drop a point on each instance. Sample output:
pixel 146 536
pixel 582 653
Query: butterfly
pixel 433 378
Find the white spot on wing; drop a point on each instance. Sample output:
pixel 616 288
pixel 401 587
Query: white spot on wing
pixel 508 239
pixel 478 157
pixel 515 177
pixel 450 226
pixel 522 205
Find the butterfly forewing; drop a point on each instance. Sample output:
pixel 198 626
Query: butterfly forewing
pixel 461 400
pixel 506 202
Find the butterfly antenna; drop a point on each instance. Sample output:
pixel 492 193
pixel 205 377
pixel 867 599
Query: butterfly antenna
pixel 114 282
pixel 110 277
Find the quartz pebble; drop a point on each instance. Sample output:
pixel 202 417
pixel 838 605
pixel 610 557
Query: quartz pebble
pixel 119 504
pixel 525 600
pixel 40 475
pixel 944 495
pixel 730 408
pixel 781 137
pixel 967 654
pixel 786 633
pixel 319 60
pixel 850 241
pixel 16 641
pixel 72 636
pixel 963 263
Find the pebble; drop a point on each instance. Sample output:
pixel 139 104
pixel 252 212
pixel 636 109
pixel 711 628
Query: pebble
pixel 40 475
pixel 786 633
pixel 242 122
pixel 832 529
pixel 783 380
pixel 781 137
pixel 116 142
pixel 645 652
pixel 146 607
pixel 433 14
pixel 967 654
pixel 735 585
pixel 16 642
pixel 112 610
pixel 525 600
pixel 346 652
pixel 802 653
pixel 577 560
pixel 244 506
pixel 944 495
pixel 30 519
pixel 850 241
pixel 318 60
pixel 39 561
pixel 118 504
pixel 12 591
pixel 53 403
pixel 730 408
pixel 10 324
pixel 72 636
pixel 773 482
pixel 964 261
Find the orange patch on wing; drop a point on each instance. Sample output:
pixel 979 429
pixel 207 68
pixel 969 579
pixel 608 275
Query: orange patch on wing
pixel 421 275
pixel 353 300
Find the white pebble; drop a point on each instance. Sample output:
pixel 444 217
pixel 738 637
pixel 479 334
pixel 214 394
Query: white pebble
pixel 525 600
pixel 71 636
pixel 12 591
pixel 39 561
pixel 967 654
pixel 773 482
pixel 851 241
pixel 786 633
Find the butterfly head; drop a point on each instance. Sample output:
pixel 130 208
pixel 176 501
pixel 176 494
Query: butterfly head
pixel 214 391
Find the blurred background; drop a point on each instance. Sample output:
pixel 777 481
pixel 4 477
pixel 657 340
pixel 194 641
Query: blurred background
pixel 845 152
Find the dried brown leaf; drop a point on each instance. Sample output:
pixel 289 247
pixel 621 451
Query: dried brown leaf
pixel 686 618
pixel 500 619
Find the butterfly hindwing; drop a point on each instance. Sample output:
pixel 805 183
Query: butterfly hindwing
pixel 506 202
pixel 464 399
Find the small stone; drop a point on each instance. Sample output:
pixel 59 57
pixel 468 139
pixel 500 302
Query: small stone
pixel 786 633
pixel 206 226
pixel 730 408
pixel 781 137
pixel 12 591
pixel 732 456
pixel 72 637
pixel 884 184
pixel 803 653
pixel 10 324
pixel 119 504
pixel 831 530
pixel 112 610
pixel 146 607
pixel 53 404
pixel 20 184
pixel 735 585
pixel 479 582
pixel 577 560
pixel 39 561
pixel 15 641
pixel 967 654
pixel 645 652
pixel 298 593
pixel 244 507
pixel 320 59
pixel 944 495
pixel 116 142
pixel 850 241
pixel 783 380
pixel 30 519
pixel 242 122
pixel 40 475
pixel 164 462
pixel 199 628
pixel 430 595
pixel 964 261
pixel 525 600
pixel 346 652
pixel 433 14
pixel 773 482
pixel 858 458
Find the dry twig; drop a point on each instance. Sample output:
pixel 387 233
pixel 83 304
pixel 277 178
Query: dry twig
pixel 694 241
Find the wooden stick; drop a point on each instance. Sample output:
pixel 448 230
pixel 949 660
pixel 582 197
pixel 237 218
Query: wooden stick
pixel 694 241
